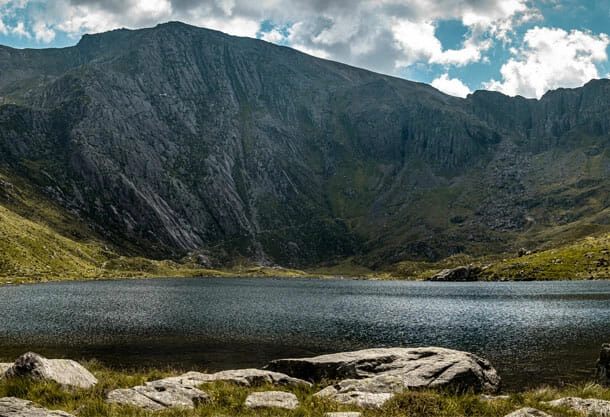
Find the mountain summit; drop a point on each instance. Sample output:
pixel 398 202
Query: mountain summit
pixel 177 138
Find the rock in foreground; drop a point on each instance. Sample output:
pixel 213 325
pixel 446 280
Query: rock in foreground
pixel 16 407
pixel 159 395
pixel 602 369
pixel 276 399
pixel 528 412
pixel 63 371
pixel 244 377
pixel 585 407
pixel 395 369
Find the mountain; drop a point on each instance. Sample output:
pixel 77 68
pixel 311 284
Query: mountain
pixel 177 140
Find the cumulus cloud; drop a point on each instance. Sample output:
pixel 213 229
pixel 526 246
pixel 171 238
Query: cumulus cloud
pixel 20 31
pixel 451 86
pixel 551 58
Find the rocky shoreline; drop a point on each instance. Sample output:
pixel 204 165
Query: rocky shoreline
pixel 364 380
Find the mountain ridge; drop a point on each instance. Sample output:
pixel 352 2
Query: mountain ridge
pixel 176 139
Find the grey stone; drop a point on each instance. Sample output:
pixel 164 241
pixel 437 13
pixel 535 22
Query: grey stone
pixel 588 406
pixel 63 371
pixel 602 368
pixel 4 367
pixel 462 273
pixel 16 407
pixel 159 395
pixel 528 412
pixel 245 377
pixel 359 398
pixel 277 399
pixel 343 414
pixel 396 369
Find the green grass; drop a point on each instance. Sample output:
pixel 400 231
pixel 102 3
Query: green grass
pixel 228 399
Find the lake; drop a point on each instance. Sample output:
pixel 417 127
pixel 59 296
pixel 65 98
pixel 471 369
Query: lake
pixel 533 332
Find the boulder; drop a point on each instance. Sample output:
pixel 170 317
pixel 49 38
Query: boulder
pixel 396 369
pixel 602 368
pixel 245 377
pixel 63 371
pixel 276 399
pixel 159 395
pixel 528 412
pixel 461 273
pixel 590 406
pixel 16 407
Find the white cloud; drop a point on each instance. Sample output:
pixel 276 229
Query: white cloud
pixel 3 28
pixel 20 31
pixel 549 59
pixel 43 33
pixel 451 86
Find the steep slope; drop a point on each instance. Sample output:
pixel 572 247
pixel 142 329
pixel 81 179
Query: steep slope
pixel 176 140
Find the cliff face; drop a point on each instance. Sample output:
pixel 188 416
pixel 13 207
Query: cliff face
pixel 178 138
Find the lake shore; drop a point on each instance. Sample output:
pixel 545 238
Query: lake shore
pixel 229 399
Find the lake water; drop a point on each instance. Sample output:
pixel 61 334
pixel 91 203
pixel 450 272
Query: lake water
pixel 533 332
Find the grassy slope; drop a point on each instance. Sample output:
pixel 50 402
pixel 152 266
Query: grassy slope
pixel 228 399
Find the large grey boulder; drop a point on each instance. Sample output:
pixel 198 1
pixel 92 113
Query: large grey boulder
pixel 590 406
pixel 396 369
pixel 245 377
pixel 528 412
pixel 16 407
pixel 159 395
pixel 602 368
pixel 276 399
pixel 63 371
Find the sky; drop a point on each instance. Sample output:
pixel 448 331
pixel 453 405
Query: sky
pixel 517 47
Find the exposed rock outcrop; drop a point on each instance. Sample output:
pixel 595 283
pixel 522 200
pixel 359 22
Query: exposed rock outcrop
pixel 159 395
pixel 63 371
pixel 587 407
pixel 275 399
pixel 462 273
pixel 528 412
pixel 395 369
pixel 362 399
pixel 16 407
pixel 246 377
pixel 602 367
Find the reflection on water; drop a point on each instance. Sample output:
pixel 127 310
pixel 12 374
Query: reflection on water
pixel 532 332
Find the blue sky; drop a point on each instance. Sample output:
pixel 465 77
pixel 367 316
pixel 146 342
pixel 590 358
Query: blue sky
pixel 517 47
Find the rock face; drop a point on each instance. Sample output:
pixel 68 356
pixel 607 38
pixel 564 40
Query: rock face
pixel 275 399
pixel 159 395
pixel 588 407
pixel 395 369
pixel 245 377
pixel 184 138
pixel 63 371
pixel 602 368
pixel 16 407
